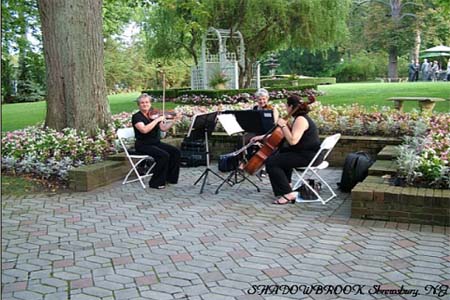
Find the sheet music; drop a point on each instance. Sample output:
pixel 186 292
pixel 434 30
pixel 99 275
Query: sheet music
pixel 191 127
pixel 192 124
pixel 230 124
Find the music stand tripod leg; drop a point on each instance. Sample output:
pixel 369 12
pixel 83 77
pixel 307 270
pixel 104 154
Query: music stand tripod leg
pixel 205 177
pixel 227 180
pixel 208 169
pixel 248 179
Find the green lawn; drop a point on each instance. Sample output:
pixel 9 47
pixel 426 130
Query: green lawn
pixel 18 186
pixel 370 94
pixel 15 116
pixel 20 115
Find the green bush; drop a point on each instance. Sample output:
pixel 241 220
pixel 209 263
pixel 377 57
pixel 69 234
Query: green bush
pixel 28 91
pixel 170 93
pixel 174 93
pixel 317 80
pixel 362 67
pixel 292 81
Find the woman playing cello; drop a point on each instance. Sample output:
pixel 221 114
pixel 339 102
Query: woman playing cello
pixel 303 142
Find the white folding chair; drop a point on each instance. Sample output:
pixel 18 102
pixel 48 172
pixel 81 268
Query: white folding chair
pixel 326 147
pixel 134 158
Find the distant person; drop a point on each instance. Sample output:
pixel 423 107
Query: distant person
pixel 434 71
pixel 448 70
pixel 425 69
pixel 411 71
pixel 417 69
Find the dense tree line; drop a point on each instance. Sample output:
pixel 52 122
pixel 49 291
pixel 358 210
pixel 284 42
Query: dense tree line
pixel 352 40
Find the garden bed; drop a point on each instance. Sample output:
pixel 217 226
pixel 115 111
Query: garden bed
pixel 48 154
pixel 377 199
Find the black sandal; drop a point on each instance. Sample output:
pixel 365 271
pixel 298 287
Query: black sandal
pixel 158 187
pixel 288 201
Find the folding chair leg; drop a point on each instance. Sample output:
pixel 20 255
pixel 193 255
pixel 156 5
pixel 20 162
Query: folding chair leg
pixel 333 194
pixel 319 197
pixel 139 177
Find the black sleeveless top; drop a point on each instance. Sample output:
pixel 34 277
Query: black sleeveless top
pixel 309 141
pixel 150 138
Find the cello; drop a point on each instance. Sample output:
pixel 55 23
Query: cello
pixel 270 146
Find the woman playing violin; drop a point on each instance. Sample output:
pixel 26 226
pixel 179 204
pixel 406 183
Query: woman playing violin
pixel 302 139
pixel 262 103
pixel 147 129
pixel 262 98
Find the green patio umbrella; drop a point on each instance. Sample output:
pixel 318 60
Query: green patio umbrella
pixel 438 51
pixel 434 54
pixel 440 48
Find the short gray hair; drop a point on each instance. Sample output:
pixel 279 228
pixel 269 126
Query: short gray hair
pixel 262 92
pixel 142 96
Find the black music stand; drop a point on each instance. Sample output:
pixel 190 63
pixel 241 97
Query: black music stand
pixel 250 121
pixel 204 123
pixel 257 121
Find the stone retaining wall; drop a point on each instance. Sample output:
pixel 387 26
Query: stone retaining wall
pixel 86 178
pixel 376 199
pixel 222 143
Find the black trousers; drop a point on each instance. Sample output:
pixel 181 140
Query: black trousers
pixel 279 167
pixel 167 168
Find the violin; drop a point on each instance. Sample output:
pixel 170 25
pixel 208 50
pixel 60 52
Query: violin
pixel 267 107
pixel 169 115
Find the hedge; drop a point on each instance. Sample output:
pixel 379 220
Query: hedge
pixel 298 82
pixel 174 93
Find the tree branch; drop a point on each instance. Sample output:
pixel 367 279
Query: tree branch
pixel 408 15
pixel 409 3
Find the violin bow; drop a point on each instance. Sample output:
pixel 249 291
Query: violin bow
pixel 164 92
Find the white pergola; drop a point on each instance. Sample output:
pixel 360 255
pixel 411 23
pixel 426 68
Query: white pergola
pixel 216 57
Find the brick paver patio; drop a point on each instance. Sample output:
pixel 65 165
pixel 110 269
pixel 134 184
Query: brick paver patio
pixel 123 242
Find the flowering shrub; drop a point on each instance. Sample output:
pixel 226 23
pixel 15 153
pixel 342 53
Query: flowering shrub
pixel 423 159
pixel 48 153
pixel 239 98
pixel 349 120
pixel 358 120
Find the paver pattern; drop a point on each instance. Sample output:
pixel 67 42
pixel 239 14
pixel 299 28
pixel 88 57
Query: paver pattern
pixel 123 242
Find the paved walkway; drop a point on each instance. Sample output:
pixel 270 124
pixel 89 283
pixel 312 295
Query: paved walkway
pixel 122 242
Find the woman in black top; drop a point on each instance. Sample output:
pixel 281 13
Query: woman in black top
pixel 147 130
pixel 303 142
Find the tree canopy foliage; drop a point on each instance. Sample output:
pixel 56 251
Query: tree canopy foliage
pixel 310 36
pixel 396 26
pixel 176 26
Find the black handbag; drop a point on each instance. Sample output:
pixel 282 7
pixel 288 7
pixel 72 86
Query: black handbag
pixel 228 162
pixel 306 193
pixel 144 166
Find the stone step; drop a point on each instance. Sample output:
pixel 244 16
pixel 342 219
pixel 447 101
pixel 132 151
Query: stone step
pixel 389 152
pixel 86 178
pixel 373 179
pixel 383 167
pixel 118 157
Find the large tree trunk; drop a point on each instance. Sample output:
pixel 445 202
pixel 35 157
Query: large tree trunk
pixel 396 7
pixel 417 42
pixel 392 68
pixel 73 50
